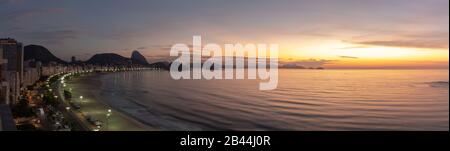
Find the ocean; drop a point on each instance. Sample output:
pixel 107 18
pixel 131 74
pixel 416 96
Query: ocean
pixel 305 100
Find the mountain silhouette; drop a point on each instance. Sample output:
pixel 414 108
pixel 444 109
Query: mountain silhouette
pixel 138 58
pixel 109 59
pixel 40 53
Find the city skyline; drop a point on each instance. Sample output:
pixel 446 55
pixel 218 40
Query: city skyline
pixel 202 65
pixel 405 34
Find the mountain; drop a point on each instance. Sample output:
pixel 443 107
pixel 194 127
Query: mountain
pixel 40 53
pixel 292 66
pixel 138 58
pixel 108 59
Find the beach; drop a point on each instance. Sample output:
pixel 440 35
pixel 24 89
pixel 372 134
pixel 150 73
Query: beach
pixel 93 104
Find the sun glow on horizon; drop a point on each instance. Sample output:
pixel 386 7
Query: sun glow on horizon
pixel 342 54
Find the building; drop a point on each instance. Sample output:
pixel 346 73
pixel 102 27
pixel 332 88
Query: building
pixel 4 85
pixel 12 68
pixel 6 119
pixel 13 52
pixel 73 59
pixel 31 73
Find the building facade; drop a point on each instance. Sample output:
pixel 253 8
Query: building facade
pixel 12 69
pixel 4 85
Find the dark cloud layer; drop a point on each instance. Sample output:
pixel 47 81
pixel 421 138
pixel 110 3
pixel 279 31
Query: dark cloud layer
pixel 438 44
pixel 53 36
pixel 308 62
pixel 21 14
pixel 430 39
pixel 348 57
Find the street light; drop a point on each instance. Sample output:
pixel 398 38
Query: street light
pixel 97 129
pixel 107 119
pixel 81 97
pixel 68 108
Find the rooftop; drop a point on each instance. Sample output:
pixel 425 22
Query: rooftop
pixel 4 41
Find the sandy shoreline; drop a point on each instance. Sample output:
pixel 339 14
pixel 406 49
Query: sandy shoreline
pixel 93 104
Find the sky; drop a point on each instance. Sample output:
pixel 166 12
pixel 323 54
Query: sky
pixel 329 33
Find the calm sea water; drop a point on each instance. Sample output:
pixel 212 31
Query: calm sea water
pixel 304 100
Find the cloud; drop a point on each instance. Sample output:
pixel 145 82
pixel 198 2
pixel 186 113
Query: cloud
pixel 53 36
pixel 406 43
pixel 18 15
pixel 348 57
pixel 353 47
pixel 11 2
pixel 156 58
pixel 140 48
pixel 160 47
pixel 308 62
pixel 166 47
pixel 433 40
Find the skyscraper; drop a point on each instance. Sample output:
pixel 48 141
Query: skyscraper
pixel 4 86
pixel 12 71
pixel 73 59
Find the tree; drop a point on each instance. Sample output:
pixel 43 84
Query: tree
pixel 22 109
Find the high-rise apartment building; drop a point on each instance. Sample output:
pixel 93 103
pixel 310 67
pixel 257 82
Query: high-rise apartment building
pixel 12 67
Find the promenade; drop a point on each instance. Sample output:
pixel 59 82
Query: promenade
pixel 91 105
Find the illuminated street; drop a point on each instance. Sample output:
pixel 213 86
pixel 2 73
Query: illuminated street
pixel 89 106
